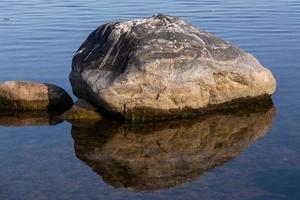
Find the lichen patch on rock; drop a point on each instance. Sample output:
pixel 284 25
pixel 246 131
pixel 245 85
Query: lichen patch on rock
pixel 81 110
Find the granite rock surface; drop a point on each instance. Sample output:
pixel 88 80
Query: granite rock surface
pixel 163 67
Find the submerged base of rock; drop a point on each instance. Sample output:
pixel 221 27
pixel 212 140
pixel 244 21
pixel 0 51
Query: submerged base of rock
pixel 150 114
pixel 81 110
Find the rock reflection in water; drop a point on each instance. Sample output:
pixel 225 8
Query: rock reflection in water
pixel 30 118
pixel 154 156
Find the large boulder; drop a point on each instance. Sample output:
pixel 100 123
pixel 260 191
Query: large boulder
pixel 163 67
pixel 27 95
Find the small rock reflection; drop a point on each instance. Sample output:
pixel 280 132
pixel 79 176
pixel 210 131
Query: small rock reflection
pixel 30 118
pixel 154 156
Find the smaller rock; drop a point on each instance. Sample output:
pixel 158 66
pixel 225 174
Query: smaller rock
pixel 27 95
pixel 81 110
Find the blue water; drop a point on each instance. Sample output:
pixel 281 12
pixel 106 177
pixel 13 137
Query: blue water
pixel 37 41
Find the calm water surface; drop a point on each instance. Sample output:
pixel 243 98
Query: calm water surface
pixel 226 156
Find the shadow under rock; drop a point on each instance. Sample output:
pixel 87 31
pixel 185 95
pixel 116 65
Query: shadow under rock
pixel 155 156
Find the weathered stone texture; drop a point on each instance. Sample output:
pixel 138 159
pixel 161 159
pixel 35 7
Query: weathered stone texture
pixel 162 65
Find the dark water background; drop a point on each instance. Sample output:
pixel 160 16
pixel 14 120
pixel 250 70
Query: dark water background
pixel 37 41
